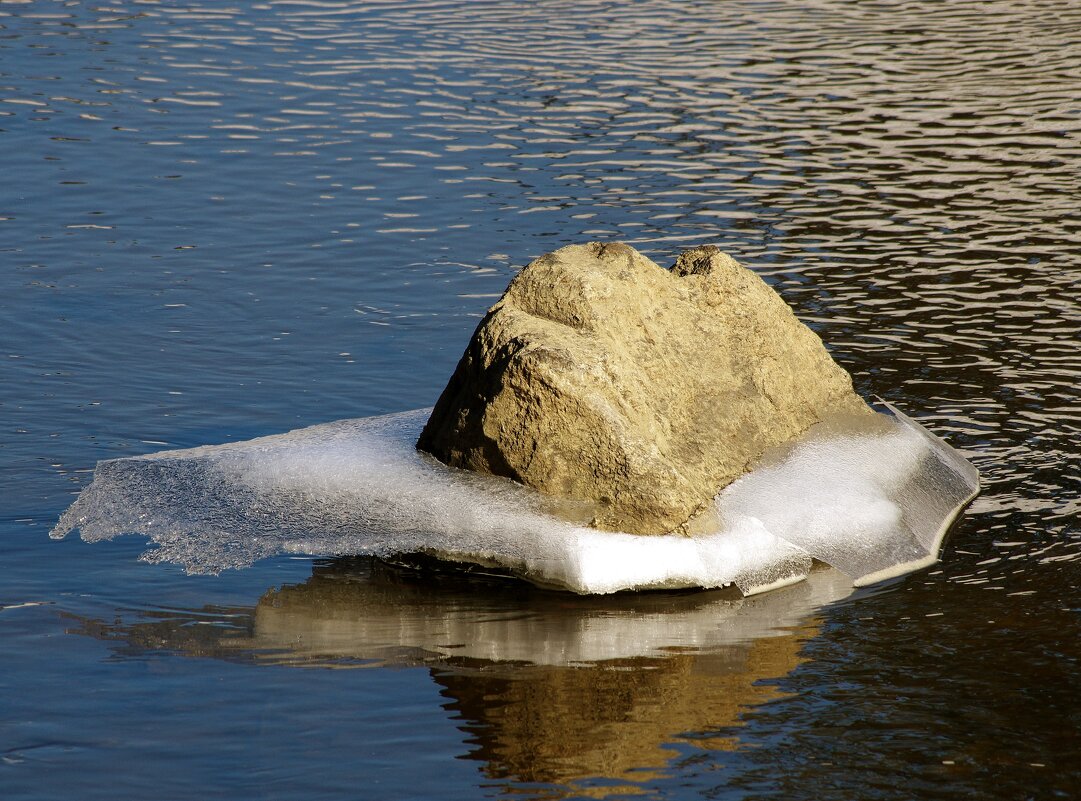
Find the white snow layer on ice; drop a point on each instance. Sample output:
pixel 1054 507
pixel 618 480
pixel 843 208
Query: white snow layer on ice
pixel 873 500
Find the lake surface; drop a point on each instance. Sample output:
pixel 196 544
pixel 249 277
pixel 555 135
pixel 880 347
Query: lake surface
pixel 220 222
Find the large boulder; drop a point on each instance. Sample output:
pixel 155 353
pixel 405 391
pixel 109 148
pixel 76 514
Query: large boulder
pixel 601 377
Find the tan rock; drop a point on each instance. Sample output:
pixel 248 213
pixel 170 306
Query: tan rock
pixel 600 376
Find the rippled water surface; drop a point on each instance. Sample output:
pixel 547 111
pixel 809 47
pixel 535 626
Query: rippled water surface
pixel 225 221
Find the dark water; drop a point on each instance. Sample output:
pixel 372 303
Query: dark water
pixel 219 222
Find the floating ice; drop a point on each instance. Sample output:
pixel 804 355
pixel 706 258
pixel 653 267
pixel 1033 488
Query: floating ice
pixel 871 499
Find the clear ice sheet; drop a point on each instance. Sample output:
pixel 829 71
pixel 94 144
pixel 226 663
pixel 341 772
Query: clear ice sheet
pixel 871 500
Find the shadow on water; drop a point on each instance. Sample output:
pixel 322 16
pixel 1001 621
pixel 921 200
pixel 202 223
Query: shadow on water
pixel 583 694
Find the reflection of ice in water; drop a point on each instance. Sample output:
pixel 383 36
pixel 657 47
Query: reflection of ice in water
pixel 871 501
pixel 365 613
pixel 332 618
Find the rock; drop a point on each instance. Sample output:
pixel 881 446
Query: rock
pixel 600 376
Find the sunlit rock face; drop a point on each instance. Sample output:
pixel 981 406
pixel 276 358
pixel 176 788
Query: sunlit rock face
pixel 602 377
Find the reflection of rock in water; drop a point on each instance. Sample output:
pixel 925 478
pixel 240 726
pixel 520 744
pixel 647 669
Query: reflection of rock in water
pixel 550 687
pixel 615 720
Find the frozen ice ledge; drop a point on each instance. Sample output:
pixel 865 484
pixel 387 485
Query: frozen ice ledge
pixel 874 499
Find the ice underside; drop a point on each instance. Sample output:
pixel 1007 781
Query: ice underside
pixel 871 499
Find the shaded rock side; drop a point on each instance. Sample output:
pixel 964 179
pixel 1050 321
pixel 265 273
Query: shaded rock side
pixel 600 376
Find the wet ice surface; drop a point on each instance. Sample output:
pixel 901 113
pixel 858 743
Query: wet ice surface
pixel 872 499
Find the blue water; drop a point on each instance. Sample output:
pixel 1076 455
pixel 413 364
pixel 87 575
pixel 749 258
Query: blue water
pixel 220 222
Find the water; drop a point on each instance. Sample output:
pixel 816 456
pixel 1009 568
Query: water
pixel 218 223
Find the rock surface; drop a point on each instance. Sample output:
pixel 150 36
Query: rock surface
pixel 600 376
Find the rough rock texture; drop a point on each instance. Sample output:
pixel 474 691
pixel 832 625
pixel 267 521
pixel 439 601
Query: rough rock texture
pixel 600 376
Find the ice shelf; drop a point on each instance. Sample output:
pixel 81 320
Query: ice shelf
pixel 873 499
